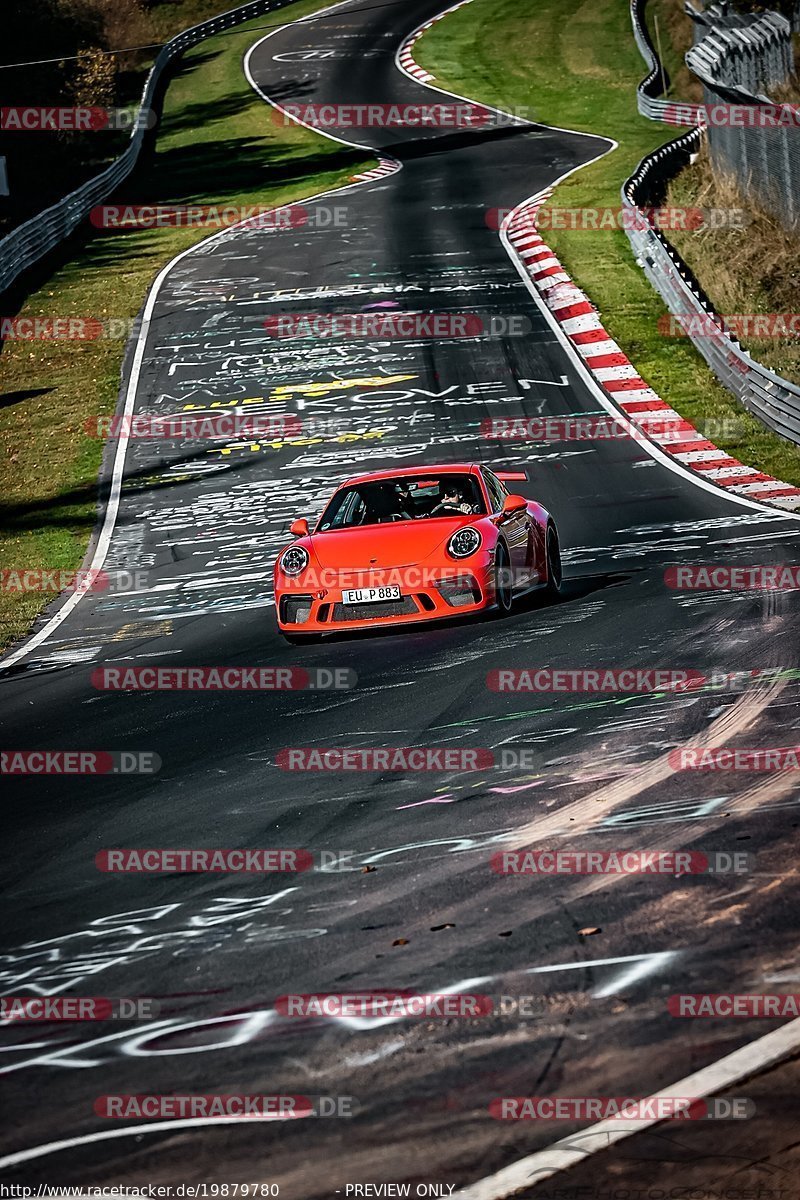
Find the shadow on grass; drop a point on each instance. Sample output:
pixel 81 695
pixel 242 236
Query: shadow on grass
pixel 199 115
pixel 66 508
pixel 9 398
pixel 229 167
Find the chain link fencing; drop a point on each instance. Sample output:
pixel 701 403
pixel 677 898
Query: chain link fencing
pixel 739 59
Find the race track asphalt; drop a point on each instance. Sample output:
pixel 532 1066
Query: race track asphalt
pixel 204 524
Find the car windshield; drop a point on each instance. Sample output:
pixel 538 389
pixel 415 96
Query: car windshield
pixel 403 499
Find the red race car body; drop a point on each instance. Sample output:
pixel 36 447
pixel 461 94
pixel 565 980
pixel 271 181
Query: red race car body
pixel 411 545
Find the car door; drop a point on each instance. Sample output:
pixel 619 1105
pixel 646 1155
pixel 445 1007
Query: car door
pixel 517 528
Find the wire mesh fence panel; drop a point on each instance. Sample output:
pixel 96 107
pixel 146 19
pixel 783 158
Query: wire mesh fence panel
pixel 761 158
pixel 739 58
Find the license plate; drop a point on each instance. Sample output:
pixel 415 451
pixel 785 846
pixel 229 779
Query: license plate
pixel 370 595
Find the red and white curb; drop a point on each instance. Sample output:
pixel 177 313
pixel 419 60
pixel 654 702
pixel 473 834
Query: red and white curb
pixel 405 57
pixel 613 370
pixel 386 166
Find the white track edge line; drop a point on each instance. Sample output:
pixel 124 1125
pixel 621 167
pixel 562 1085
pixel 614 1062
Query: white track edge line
pixel 421 29
pixel 748 1059
pixel 714 1077
pixel 594 387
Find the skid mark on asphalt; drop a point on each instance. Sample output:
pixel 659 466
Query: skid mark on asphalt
pixel 228 549
pixel 731 723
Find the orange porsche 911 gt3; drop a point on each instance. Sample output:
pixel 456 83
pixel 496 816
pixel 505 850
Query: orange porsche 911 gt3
pixel 404 546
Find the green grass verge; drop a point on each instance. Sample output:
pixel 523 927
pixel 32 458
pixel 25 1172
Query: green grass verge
pixel 217 144
pixel 576 64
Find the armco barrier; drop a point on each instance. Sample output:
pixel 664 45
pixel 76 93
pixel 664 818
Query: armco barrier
pixel 745 50
pixel 30 241
pixel 579 322
pixel 773 400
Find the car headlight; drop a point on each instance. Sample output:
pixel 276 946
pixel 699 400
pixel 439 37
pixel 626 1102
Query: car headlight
pixel 294 560
pixel 464 542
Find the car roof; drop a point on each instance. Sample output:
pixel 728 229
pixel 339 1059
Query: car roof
pixel 404 472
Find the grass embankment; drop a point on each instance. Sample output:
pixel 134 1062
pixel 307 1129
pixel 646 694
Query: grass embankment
pixel 576 64
pixel 217 144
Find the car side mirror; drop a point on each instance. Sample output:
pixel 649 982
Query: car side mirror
pixel 299 528
pixel 513 504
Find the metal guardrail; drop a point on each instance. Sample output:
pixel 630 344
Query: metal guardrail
pixel 773 400
pixel 29 242
pixel 721 14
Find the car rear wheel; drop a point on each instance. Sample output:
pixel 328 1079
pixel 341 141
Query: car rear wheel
pixel 554 572
pixel 503 590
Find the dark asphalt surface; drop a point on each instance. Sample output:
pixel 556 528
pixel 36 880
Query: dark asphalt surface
pixel 205 525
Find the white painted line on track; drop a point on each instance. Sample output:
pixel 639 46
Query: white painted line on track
pixel 733 1068
pixel 275 104
pixel 535 1168
pixel 640 965
pixel 568 1152
pixel 101 548
pixel 521 121
pixel 586 321
pixel 107 1135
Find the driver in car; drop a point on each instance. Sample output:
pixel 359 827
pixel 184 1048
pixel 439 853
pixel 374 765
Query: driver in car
pixel 388 504
pixel 453 501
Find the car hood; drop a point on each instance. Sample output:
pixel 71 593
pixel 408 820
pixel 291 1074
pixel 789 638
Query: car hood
pixel 396 544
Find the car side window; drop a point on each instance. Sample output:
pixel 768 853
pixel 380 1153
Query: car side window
pixel 354 510
pixel 497 493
